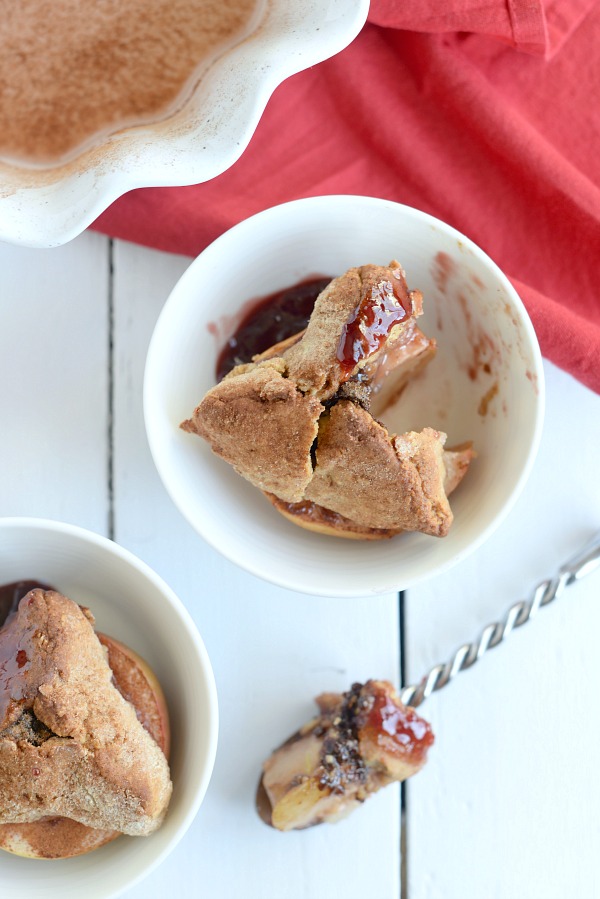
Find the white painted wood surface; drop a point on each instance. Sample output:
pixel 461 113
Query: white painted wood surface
pixel 271 650
pixel 54 382
pixel 507 806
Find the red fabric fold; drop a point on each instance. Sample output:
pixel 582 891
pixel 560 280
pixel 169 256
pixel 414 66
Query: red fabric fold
pixel 436 105
pixel 529 25
pixel 580 339
pixel 517 22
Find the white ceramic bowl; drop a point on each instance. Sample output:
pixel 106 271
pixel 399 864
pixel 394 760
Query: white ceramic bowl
pixel 470 307
pixel 131 603
pixel 48 207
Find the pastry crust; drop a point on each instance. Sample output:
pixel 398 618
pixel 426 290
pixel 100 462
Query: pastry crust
pixel 313 362
pixel 70 745
pixel 298 422
pixel 402 361
pixel 457 460
pixel 381 481
pixel 258 421
pixel 313 517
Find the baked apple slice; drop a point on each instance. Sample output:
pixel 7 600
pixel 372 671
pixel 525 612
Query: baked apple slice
pixel 361 741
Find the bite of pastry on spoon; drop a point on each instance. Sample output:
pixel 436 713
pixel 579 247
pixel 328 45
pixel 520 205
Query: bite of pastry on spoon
pixel 360 741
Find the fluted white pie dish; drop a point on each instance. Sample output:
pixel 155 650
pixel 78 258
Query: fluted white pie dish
pixel 47 207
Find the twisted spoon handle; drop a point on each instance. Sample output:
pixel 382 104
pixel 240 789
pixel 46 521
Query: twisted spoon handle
pixel 584 563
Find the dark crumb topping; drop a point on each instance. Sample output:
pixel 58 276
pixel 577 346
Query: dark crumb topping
pixel 341 762
pixel 27 728
pixel 357 391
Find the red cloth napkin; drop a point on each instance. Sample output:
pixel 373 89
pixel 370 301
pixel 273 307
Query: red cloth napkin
pixel 485 113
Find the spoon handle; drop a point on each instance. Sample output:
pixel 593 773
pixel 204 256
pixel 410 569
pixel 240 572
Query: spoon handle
pixel 583 563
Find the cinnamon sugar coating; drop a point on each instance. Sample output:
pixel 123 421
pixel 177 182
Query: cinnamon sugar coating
pixel 73 72
pixel 258 421
pixel 70 745
pixel 382 481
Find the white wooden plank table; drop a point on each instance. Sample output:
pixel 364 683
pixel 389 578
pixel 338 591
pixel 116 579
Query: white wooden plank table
pixel 507 804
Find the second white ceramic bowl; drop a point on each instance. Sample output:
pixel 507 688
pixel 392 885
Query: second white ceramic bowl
pixel 131 603
pixel 485 385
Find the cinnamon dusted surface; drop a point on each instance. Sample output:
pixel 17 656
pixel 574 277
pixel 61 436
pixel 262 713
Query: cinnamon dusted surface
pixel 258 421
pixel 53 837
pixel 381 481
pixel 70 745
pixel 71 70
pixel 321 520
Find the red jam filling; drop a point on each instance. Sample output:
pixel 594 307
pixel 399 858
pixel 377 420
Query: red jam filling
pixel 14 654
pixel 14 662
pixel 268 321
pixel 384 305
pixel 399 728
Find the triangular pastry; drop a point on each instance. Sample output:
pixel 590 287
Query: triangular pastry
pixel 70 744
pixel 261 424
pixel 381 481
pixel 299 421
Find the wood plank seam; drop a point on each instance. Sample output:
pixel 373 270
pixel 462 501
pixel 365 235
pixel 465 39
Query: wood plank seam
pixel 403 789
pixel 111 393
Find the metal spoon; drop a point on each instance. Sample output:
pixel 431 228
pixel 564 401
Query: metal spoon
pixel 585 562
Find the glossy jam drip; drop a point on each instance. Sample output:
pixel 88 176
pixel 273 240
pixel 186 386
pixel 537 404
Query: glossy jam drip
pixel 268 321
pixel 383 306
pixel 15 654
pixel 399 727
pixel 16 651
